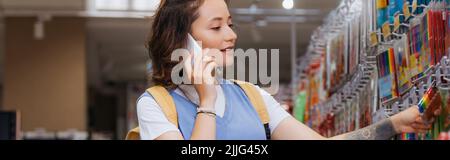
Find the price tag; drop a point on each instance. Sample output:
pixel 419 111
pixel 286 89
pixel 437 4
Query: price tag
pixel 444 16
pixel 396 22
pixel 406 11
pixel 382 4
pixel 373 39
pixel 386 29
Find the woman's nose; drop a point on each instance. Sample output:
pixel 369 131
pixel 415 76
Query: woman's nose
pixel 230 35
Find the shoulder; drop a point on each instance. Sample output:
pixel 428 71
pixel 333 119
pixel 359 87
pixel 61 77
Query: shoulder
pixel 276 113
pixel 146 100
pixel 147 107
pixel 152 120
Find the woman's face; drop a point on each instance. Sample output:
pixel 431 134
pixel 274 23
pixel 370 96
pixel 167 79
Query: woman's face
pixel 213 28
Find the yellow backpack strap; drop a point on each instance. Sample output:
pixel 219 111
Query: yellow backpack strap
pixel 165 101
pixel 257 102
pixel 133 134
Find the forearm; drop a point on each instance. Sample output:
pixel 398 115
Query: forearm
pixel 382 130
pixel 204 128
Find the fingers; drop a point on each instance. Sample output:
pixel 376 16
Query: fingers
pixel 421 126
pixel 208 72
pixel 420 120
pixel 201 69
pixel 209 66
pixel 197 62
pixel 207 59
pixel 438 112
pixel 415 109
pixel 197 69
pixel 188 68
pixel 434 109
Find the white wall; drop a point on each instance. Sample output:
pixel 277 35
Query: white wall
pixel 46 79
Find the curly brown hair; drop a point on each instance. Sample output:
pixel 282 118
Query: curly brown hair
pixel 171 25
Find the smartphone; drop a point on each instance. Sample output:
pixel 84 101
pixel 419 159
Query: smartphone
pixel 193 47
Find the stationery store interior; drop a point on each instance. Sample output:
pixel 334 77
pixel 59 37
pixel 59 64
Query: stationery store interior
pixel 77 69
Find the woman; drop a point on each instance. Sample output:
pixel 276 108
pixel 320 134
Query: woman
pixel 209 21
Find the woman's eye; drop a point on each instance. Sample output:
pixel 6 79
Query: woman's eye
pixel 216 28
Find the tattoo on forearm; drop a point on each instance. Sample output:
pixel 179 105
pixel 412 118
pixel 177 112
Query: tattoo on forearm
pixel 382 130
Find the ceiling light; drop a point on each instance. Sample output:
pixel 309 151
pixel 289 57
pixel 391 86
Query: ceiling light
pixel 288 4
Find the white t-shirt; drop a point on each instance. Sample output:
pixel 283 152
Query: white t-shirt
pixel 153 123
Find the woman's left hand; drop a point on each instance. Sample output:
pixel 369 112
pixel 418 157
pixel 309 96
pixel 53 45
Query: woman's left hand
pixel 411 121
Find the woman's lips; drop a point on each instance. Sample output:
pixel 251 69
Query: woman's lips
pixel 227 50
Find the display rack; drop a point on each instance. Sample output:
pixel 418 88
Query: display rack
pixel 372 59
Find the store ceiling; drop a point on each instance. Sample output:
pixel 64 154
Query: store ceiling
pixel 304 4
pixel 121 41
pixel 44 4
pixel 116 49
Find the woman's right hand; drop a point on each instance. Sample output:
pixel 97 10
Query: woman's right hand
pixel 200 75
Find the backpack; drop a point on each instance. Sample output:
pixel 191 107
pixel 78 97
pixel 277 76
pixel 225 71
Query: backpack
pixel 165 101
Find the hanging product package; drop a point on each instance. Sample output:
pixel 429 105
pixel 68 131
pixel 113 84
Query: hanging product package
pixel 367 104
pixel 329 123
pixel 431 22
pixel 335 59
pixel 394 9
pixel 341 54
pixel 417 5
pixel 416 55
pixel 401 50
pixel 343 119
pixel 435 23
pixel 438 9
pixel 382 12
pixel 354 121
pixel 429 103
pixel 331 62
pixel 314 91
pixel 447 28
pixel 300 101
pixel 387 82
pixel 354 45
pixel 308 97
pixel 339 121
pixel 425 36
pixel 443 119
pixel 322 74
pixel 312 100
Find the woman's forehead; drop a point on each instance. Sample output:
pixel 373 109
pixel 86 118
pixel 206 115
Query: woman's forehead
pixel 214 10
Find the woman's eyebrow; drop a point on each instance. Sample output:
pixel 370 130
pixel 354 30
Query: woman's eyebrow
pixel 220 18
pixel 216 19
